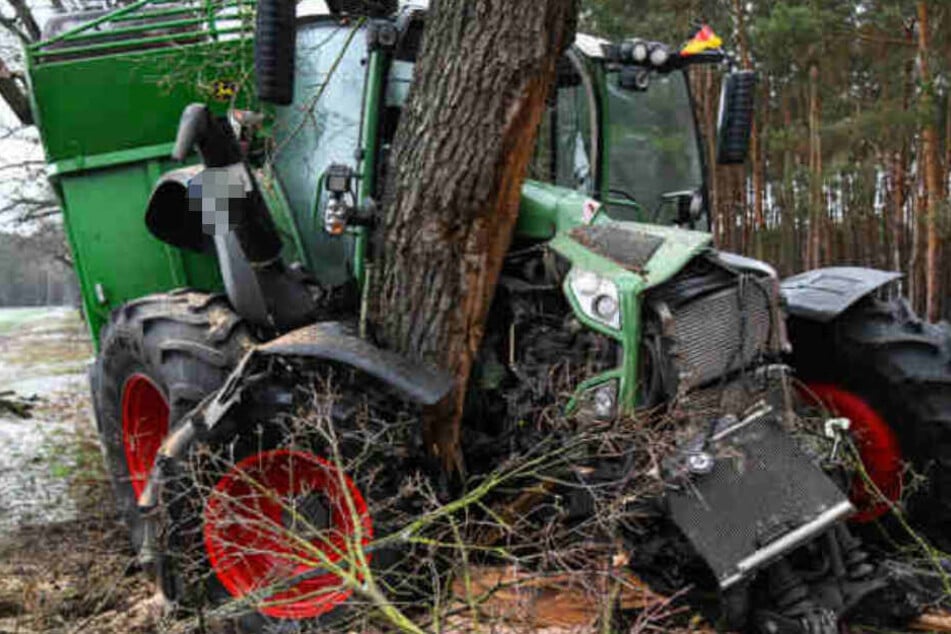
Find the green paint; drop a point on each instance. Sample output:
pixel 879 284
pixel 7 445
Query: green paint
pixel 86 26
pixel 101 106
pixel 369 131
pixel 103 212
pixel 109 159
pixel 547 209
pixel 679 247
pixel 280 211
pixel 108 117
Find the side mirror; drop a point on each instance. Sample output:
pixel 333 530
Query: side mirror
pixel 275 40
pixel 736 117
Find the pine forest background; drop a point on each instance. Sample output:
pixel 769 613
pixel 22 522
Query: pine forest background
pixel 851 155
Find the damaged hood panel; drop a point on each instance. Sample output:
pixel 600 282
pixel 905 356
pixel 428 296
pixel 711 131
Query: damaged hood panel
pixel 649 253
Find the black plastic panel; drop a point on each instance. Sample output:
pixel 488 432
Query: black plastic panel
pixel 630 249
pixel 762 499
pixel 824 294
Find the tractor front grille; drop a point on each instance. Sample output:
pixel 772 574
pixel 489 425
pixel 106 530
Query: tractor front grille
pixel 720 333
pixel 713 323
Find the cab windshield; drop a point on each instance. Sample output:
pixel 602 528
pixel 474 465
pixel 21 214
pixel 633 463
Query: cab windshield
pixel 653 157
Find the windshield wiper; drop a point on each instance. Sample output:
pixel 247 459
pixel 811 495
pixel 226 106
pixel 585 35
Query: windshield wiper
pixel 625 195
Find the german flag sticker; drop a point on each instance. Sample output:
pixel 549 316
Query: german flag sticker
pixel 703 40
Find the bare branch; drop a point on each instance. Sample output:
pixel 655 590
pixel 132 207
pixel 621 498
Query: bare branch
pixel 25 15
pixel 10 24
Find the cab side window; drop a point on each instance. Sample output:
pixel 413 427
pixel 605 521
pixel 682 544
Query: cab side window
pixel 564 150
pixel 320 127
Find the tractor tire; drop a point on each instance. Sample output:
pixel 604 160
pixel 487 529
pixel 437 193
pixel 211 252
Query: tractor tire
pixel 900 367
pixel 219 541
pixel 159 356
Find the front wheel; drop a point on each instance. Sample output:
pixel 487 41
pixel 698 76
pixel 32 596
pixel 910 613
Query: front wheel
pixel 890 373
pixel 295 519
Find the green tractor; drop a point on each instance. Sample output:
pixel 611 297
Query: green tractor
pixel 219 284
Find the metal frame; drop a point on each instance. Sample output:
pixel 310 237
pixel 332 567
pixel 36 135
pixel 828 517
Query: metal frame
pixel 87 40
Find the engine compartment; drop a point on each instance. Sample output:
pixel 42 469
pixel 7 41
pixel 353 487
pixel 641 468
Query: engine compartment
pixel 706 336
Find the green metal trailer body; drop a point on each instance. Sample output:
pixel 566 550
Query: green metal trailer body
pixel 107 97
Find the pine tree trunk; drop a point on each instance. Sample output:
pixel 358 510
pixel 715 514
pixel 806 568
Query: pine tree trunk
pixel 932 193
pixel 816 203
pixel 702 83
pixel 464 141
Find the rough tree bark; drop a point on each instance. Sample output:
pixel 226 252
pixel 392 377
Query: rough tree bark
pixel 14 96
pixel 464 141
pixel 933 189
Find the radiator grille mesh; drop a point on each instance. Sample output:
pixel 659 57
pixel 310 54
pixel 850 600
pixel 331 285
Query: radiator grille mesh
pixel 721 332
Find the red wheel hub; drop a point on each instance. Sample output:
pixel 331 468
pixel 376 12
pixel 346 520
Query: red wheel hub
pixel 285 519
pixel 144 427
pixel 877 445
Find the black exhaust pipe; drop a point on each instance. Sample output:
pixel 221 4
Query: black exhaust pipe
pixel 274 43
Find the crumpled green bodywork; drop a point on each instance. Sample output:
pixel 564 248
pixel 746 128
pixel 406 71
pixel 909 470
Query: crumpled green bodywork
pixel 551 212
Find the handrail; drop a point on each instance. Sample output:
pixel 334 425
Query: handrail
pixel 125 44
pixel 207 8
pixel 88 25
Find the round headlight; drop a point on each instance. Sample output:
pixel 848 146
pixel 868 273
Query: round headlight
pixel 659 55
pixel 639 51
pixel 603 404
pixel 605 307
pixel 587 282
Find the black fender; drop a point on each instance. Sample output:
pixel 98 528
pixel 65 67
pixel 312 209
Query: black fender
pixel 334 341
pixel 822 295
pixel 330 341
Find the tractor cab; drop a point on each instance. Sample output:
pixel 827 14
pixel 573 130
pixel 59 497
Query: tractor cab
pixel 627 139
pixel 619 132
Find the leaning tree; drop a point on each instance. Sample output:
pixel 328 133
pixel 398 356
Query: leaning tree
pixel 461 151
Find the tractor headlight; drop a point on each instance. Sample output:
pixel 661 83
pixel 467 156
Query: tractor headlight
pixel 659 55
pixel 639 51
pixel 597 296
pixel 600 401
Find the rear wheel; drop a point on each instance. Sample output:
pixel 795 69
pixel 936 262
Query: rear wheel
pixel 159 356
pixel 890 373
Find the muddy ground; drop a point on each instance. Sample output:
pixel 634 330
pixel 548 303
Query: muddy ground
pixel 65 565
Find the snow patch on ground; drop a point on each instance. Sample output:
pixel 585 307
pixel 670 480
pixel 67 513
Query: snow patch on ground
pixel 43 352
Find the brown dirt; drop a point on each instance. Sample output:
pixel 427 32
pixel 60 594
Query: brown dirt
pixel 77 575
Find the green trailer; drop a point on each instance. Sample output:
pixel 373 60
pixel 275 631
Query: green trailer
pixel 107 95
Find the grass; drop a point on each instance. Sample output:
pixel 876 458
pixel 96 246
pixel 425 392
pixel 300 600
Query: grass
pixel 13 318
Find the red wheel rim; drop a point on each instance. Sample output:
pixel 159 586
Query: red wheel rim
pixel 144 427
pixel 877 445
pixel 251 548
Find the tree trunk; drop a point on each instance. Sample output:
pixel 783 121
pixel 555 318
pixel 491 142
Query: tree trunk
pixel 463 144
pixel 23 12
pixel 932 193
pixel 756 160
pixel 14 96
pixel 708 126
pixel 816 203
